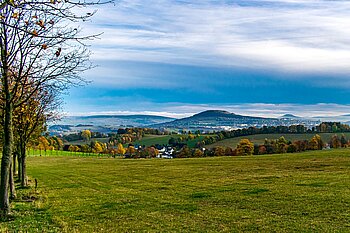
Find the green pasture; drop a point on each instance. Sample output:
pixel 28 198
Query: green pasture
pixel 150 140
pixel 260 138
pixel 302 192
pixel 82 142
pixel 35 152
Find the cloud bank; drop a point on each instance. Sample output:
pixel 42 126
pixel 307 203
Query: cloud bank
pixel 206 54
pixel 297 36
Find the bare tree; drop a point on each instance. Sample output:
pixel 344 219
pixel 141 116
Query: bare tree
pixel 38 48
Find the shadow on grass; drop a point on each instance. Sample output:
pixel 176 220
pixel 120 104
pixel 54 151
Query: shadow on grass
pixel 315 185
pixel 8 218
pixel 256 191
pixel 200 195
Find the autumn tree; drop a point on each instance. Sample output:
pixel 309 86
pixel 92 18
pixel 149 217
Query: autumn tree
pixel 219 151
pixel 120 149
pixel 58 142
pixel 185 152
pixel 86 135
pixel 245 147
pixel 262 150
pixel 73 148
pixel 343 141
pixel 85 148
pixel 29 122
pixel 43 144
pixel 130 151
pixel 230 152
pixel 313 144
pixel 335 141
pixel 37 43
pixel 316 143
pixel 281 145
pixel 198 153
pixel 97 147
pixel 150 152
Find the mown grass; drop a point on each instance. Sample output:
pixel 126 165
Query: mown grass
pixel 29 213
pixel 260 138
pixel 307 192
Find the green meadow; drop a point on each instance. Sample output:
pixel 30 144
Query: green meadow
pixel 147 140
pixel 150 140
pixel 260 138
pixel 302 192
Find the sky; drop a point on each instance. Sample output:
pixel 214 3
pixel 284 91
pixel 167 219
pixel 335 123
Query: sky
pixel 179 57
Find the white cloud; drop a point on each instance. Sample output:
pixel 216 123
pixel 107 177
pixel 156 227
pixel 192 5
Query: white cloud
pixel 298 36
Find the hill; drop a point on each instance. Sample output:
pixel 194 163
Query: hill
pixel 105 123
pixel 222 120
pixel 290 116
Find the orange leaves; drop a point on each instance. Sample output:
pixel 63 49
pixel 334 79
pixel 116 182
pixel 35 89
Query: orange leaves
pixel 15 15
pixel 40 23
pixel 44 46
pixel 35 33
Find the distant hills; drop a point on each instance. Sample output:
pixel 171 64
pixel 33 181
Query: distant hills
pixel 223 120
pixel 204 121
pixel 105 123
pixel 290 116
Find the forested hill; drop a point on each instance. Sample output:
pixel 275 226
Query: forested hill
pixel 218 119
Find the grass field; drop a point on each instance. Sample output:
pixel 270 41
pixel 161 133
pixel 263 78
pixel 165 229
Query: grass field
pixel 82 142
pixel 35 152
pixel 150 140
pixel 260 138
pixel 307 192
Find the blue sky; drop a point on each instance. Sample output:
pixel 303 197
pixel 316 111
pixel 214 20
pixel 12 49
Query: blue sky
pixel 176 58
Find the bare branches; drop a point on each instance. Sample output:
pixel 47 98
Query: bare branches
pixel 43 46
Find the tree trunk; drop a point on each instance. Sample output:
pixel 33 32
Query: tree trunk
pixel 6 158
pixel 24 181
pixel 14 171
pixel 12 184
pixel 19 161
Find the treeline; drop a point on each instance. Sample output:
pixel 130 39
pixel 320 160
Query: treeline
pixel 182 140
pixel 123 135
pixel 130 135
pixel 80 136
pixel 109 149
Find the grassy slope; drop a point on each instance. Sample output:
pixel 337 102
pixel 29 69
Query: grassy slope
pixel 279 193
pixel 150 140
pixel 82 142
pixel 260 138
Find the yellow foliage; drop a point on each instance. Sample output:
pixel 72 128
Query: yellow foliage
pixel 120 149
